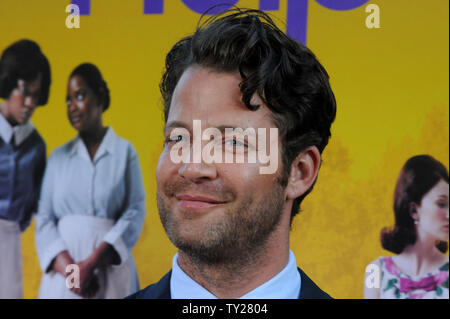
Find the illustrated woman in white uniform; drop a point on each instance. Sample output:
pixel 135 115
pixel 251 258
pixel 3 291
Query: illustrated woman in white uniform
pixel 92 206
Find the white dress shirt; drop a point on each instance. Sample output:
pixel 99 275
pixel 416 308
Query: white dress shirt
pixel 285 285
pixel 109 187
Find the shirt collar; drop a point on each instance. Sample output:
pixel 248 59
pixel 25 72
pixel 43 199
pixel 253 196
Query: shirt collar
pixel 20 132
pixel 107 145
pixel 285 285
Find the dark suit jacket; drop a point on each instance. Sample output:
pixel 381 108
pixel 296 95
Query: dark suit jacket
pixel 161 290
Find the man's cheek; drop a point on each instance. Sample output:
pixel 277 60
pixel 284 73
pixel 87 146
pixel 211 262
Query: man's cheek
pixel 162 166
pixel 240 175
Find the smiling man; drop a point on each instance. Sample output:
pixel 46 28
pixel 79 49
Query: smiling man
pixel 229 221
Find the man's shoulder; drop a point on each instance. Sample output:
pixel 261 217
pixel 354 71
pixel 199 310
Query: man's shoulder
pixel 159 290
pixel 309 290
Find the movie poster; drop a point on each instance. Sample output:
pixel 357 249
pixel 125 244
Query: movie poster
pixel 388 63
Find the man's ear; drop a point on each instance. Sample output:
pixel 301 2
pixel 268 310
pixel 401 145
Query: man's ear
pixel 304 170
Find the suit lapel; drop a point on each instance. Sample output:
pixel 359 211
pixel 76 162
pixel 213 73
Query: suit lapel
pixel 309 290
pixel 159 290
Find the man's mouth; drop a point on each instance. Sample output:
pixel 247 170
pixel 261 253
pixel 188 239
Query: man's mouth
pixel 197 201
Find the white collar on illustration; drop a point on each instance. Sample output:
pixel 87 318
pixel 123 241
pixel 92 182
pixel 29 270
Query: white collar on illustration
pixel 285 285
pixel 20 132
pixel 107 145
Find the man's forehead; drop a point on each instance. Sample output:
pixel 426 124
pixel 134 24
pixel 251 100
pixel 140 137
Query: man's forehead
pixel 244 120
pixel 216 99
pixel 199 85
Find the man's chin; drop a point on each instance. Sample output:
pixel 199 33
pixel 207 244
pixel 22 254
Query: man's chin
pixel 205 254
pixel 202 240
pixel 197 231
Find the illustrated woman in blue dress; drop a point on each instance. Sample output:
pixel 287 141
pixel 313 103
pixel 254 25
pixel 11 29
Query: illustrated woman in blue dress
pixel 24 85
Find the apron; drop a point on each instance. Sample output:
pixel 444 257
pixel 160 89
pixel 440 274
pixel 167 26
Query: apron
pixel 10 260
pixel 82 234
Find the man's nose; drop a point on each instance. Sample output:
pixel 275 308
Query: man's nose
pixel 196 172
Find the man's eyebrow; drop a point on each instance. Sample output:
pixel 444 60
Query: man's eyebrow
pixel 221 128
pixel 175 124
pixel 443 196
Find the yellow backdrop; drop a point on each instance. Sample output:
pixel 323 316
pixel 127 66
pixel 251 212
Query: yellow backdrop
pixel 391 86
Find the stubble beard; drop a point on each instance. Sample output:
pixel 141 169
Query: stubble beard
pixel 238 238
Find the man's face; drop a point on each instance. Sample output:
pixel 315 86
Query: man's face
pixel 216 212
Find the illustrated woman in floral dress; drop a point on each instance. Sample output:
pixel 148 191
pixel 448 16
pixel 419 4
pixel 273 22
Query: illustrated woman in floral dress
pixel 419 238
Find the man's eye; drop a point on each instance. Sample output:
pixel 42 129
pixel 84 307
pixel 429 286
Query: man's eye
pixel 234 143
pixel 69 102
pixel 175 138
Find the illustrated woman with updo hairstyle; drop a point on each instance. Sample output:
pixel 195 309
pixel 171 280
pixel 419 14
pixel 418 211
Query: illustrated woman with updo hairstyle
pixel 24 85
pixel 92 206
pixel 419 237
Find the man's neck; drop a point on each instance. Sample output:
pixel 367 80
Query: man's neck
pixel 237 278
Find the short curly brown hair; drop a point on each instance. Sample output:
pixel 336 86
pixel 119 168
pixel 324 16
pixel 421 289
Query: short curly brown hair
pixel 283 72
